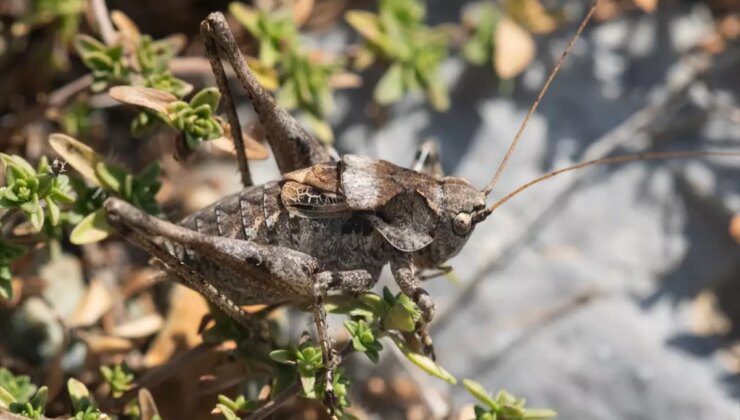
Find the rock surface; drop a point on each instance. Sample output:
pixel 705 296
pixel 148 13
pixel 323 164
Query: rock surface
pixel 585 283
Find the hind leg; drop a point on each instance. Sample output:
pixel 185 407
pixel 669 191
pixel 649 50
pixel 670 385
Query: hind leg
pixel 227 101
pixel 291 144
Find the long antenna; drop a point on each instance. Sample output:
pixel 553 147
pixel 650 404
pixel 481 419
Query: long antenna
pixel 536 103
pixel 479 216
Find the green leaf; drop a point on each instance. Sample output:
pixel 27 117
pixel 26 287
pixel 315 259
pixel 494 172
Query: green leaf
pixel 425 363
pixel 479 392
pixel 118 378
pixel 93 228
pixel 79 395
pixel 366 23
pixel 6 398
pixel 390 88
pixel 308 384
pixel 320 128
pixel 287 96
pixel 283 356
pixel 438 96
pixel 538 413
pixel 79 155
pixel 36 215
pixel 85 44
pixel 207 96
pixel 245 15
pixel 33 408
pixel 54 212
pixel 227 412
pixel 19 386
pixel 6 282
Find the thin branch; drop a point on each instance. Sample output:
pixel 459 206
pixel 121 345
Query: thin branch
pixel 290 392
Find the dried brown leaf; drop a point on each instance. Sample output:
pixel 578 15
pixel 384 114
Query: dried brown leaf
pixel 180 330
pixel 532 15
pixel 302 11
pixel 138 328
pixel 514 49
pixel 222 377
pixel 128 32
pixel 345 80
pixel 79 155
pixel 97 301
pixel 153 99
pixel 735 227
pixel 647 6
pixel 102 344
pixel 148 409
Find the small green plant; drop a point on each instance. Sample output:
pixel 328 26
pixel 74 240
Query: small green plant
pixel 118 378
pixel 394 316
pixel 109 180
pixel 33 408
pixel 196 119
pixel 231 409
pixel 275 30
pixel 107 63
pixel 504 406
pixel 8 253
pixel 414 51
pixel 136 60
pixel 145 64
pixel 307 359
pixel 83 405
pixel 64 14
pixel 19 387
pixel 482 19
pixel 37 192
pixel 364 339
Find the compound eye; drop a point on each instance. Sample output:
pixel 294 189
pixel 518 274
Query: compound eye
pixel 461 223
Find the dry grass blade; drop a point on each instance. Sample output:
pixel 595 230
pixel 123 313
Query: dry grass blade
pixel 153 99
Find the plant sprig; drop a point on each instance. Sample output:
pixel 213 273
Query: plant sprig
pixel 504 406
pixel 414 51
pixel 38 193
pixel 118 378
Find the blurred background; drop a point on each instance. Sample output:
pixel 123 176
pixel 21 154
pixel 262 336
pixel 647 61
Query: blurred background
pixel 606 293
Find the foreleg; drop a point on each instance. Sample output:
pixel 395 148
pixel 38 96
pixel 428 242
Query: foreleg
pixel 404 272
pixel 291 144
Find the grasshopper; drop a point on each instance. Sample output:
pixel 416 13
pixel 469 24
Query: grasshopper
pixel 329 225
